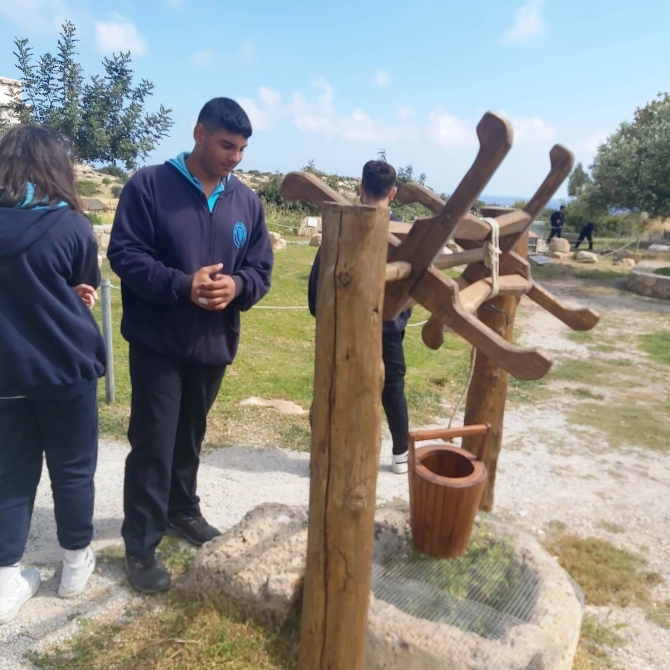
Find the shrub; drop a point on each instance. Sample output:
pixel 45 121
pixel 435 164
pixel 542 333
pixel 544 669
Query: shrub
pixel 88 188
pixel 116 191
pixel 115 171
pixel 95 219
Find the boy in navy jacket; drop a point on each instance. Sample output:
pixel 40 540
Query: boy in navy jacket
pixel 192 250
pixel 378 189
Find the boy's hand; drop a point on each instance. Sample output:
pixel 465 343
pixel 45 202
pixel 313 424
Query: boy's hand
pixel 88 294
pixel 213 291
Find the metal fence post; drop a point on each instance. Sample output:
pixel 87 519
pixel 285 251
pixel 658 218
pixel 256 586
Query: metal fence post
pixel 105 287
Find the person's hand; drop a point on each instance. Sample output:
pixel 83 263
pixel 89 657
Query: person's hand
pixel 88 294
pixel 213 291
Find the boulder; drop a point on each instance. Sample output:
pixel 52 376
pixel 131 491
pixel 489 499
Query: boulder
pixel 278 242
pixel 626 262
pixel 418 618
pixel 310 225
pixel 586 257
pixel 559 244
pixel 316 240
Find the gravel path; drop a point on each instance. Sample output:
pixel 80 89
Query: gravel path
pixel 547 473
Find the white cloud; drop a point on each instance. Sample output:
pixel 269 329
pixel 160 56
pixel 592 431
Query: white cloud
pixel 119 34
pixel 450 131
pixel 382 78
pixel 533 132
pixel 316 113
pixel 42 16
pixel 265 113
pixel 202 59
pixel 405 112
pixel 529 23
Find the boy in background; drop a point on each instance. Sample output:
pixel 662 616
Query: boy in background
pixel 377 190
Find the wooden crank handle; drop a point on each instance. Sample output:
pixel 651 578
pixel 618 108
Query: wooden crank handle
pixel 482 429
pixel 577 319
pixel 562 161
pixel 307 187
pixel 433 333
pixel 427 237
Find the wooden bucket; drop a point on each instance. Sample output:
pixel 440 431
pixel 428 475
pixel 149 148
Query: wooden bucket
pixel 446 485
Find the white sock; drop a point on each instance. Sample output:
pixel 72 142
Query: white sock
pixel 75 557
pixel 8 573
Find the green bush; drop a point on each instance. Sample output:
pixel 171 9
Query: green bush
pixel 116 191
pixel 95 219
pixel 115 171
pixel 106 181
pixel 270 197
pixel 88 188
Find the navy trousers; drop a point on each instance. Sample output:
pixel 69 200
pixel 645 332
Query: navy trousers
pixel 65 431
pixel 168 420
pixel 393 393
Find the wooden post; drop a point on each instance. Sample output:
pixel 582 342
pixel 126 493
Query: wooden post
pixel 346 438
pixel 488 390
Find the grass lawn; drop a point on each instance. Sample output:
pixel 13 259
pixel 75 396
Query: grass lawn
pixel 276 361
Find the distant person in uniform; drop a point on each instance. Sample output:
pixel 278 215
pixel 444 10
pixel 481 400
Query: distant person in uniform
pixel 586 233
pixel 557 221
pixel 378 190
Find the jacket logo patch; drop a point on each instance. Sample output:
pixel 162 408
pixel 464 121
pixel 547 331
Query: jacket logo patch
pixel 239 234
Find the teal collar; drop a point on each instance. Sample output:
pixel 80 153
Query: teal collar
pixel 180 164
pixel 30 196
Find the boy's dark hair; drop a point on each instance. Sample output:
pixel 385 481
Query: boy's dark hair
pixel 41 157
pixel 378 179
pixel 563 207
pixel 225 114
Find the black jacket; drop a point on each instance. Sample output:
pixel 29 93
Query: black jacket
pixel 557 219
pixel 49 340
pixel 163 234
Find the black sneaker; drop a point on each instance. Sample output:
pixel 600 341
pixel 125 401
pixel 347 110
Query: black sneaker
pixel 194 529
pixel 147 575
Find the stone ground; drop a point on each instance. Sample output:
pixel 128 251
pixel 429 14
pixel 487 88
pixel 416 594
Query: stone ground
pixel 550 471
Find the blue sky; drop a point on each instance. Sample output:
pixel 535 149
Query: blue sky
pixel 335 83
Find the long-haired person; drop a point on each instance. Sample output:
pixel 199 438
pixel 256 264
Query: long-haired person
pixel 51 356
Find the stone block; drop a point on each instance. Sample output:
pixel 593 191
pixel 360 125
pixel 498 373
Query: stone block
pixel 559 244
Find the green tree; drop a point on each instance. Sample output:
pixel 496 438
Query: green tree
pixel 104 118
pixel 578 181
pixel 630 171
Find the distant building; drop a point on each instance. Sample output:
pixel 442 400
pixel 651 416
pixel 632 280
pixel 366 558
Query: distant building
pixel 8 87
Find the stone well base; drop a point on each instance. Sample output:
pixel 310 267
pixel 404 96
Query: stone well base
pixel 416 620
pixel 642 280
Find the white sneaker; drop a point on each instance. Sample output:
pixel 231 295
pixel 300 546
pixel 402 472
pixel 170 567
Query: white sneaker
pixel 17 592
pixel 76 573
pixel 399 464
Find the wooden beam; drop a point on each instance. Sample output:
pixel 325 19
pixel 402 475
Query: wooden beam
pixel 475 295
pixel 446 261
pixel 487 394
pixel 346 437
pixel 397 271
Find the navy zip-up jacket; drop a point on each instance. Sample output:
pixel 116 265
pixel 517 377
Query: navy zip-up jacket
pixel 49 340
pixel 388 327
pixel 163 233
pixel 557 219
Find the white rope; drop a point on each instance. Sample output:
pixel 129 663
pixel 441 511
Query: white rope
pixel 473 359
pixel 416 325
pixel 616 251
pixel 492 257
